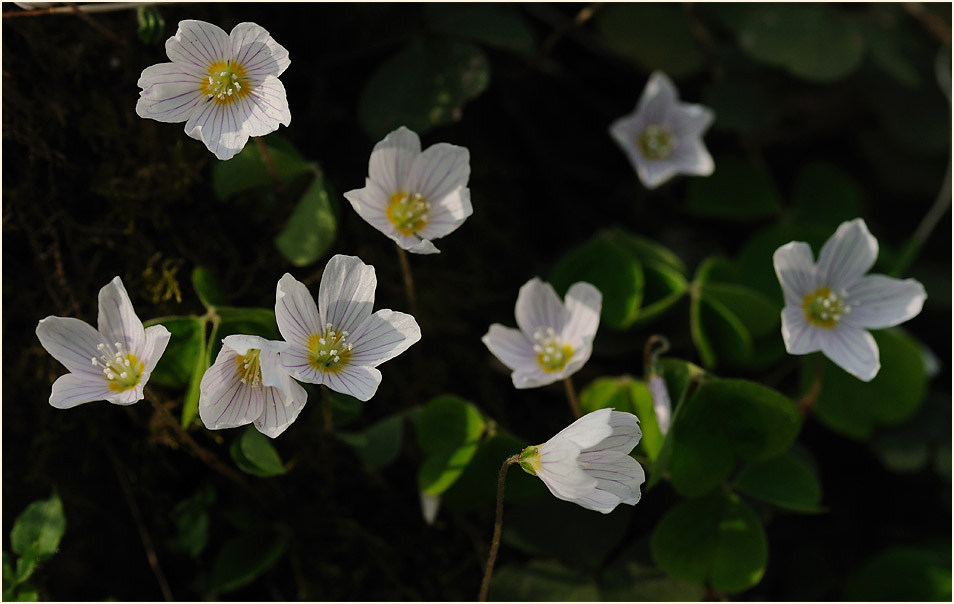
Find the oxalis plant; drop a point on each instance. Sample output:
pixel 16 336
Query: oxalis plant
pixel 700 426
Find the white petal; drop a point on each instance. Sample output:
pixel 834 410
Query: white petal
pixel 690 121
pixel 273 374
pixel 598 500
pixel 199 44
pixel 583 304
pixel 71 342
pixel 581 354
pixel 534 376
pixel 171 92
pixel 510 346
pixel 75 389
pixel 847 255
pixel 447 215
pixel 219 126
pixel 617 474
pixel 295 360
pixel 624 436
pixel 355 380
pixel 662 405
pixel 224 401
pixel 439 170
pixel 346 292
pixel 127 397
pixel 880 301
pixel 538 306
pixel 658 99
pixel 655 172
pixel 422 246
pixel 800 336
pixel 117 320
pixel 391 160
pixel 264 107
pixel 157 338
pixel 652 173
pixel 691 157
pixel 279 412
pixel 382 336
pixel 295 311
pixel 254 49
pixel 795 269
pixel 241 343
pixel 560 471
pixel 589 430
pixel 430 504
pixel 853 349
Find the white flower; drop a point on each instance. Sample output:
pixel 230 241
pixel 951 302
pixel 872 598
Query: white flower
pixel 662 405
pixel 588 462
pixel 413 196
pixel 225 87
pixel 111 364
pixel 339 342
pixel 830 305
pixel 663 137
pixel 554 340
pixel 246 384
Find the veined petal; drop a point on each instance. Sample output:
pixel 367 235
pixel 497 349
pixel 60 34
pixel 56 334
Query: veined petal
pixel 616 473
pixel 582 312
pixel 117 320
pixel 264 108
pixel 624 437
pixel 599 500
pixel 358 381
pixel 71 342
pixel 219 126
pixel 295 360
pixel 157 338
pixel 448 214
pixel 391 160
pixel 382 336
pixel 847 255
pixel 199 44
pixel 581 354
pixel 295 311
pixel 800 336
pixel 171 92
pixel 589 430
pixel 280 411
pixel 257 52
pixel 538 306
pixel 127 397
pixel 853 349
pixel 75 389
pixel 878 301
pixel 560 471
pixel 439 170
pixel 510 346
pixel 346 292
pixel 241 343
pixel 795 269
pixel 533 376
pixel 224 401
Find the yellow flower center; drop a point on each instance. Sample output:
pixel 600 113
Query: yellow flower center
pixel 121 370
pixel 824 308
pixel 656 142
pixel 552 354
pixel 408 212
pixel 225 82
pixel 249 367
pixel 329 351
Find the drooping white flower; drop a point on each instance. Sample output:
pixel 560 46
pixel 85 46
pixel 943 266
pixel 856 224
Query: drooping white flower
pixel 413 196
pixel 246 384
pixel 588 462
pixel 663 137
pixel 112 363
pixel 662 405
pixel 555 339
pixel 225 87
pixel 340 342
pixel 829 306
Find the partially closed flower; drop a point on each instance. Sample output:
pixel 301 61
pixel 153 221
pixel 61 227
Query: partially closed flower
pixel 413 196
pixel 588 462
pixel 225 87
pixel 111 363
pixel 339 342
pixel 246 384
pixel 829 306
pixel 555 339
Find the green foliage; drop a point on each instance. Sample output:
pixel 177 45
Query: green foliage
pixel 422 86
pixel 249 171
pixel 151 24
pixel 251 321
pixel 784 481
pixel 183 353
pixel 242 559
pixel 379 444
pixel 737 190
pixel 449 430
pixel 191 517
pixel 254 453
pixel 207 287
pixel 854 408
pixel 716 539
pixel 613 270
pixel 652 36
pixel 633 578
pixel 541 581
pixel 824 196
pixel 626 394
pixel 312 226
pixel 34 538
pixel 664 274
pixel 904 574
pixel 496 25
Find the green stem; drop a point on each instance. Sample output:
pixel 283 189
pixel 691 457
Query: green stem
pixel 408 280
pixel 937 211
pixel 807 402
pixel 498 525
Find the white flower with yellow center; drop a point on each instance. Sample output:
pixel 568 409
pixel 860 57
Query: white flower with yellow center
pixel 339 342
pixel 829 306
pixel 554 340
pixel 663 137
pixel 246 384
pixel 413 196
pixel 112 363
pixel 588 462
pixel 225 87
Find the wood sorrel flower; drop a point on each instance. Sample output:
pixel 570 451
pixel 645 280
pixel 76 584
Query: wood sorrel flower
pixel 554 339
pixel 830 305
pixel 413 196
pixel 111 364
pixel 246 384
pixel 225 87
pixel 588 462
pixel 339 342
pixel 663 137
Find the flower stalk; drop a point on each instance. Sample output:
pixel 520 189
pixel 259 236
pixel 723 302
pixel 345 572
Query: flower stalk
pixel 498 525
